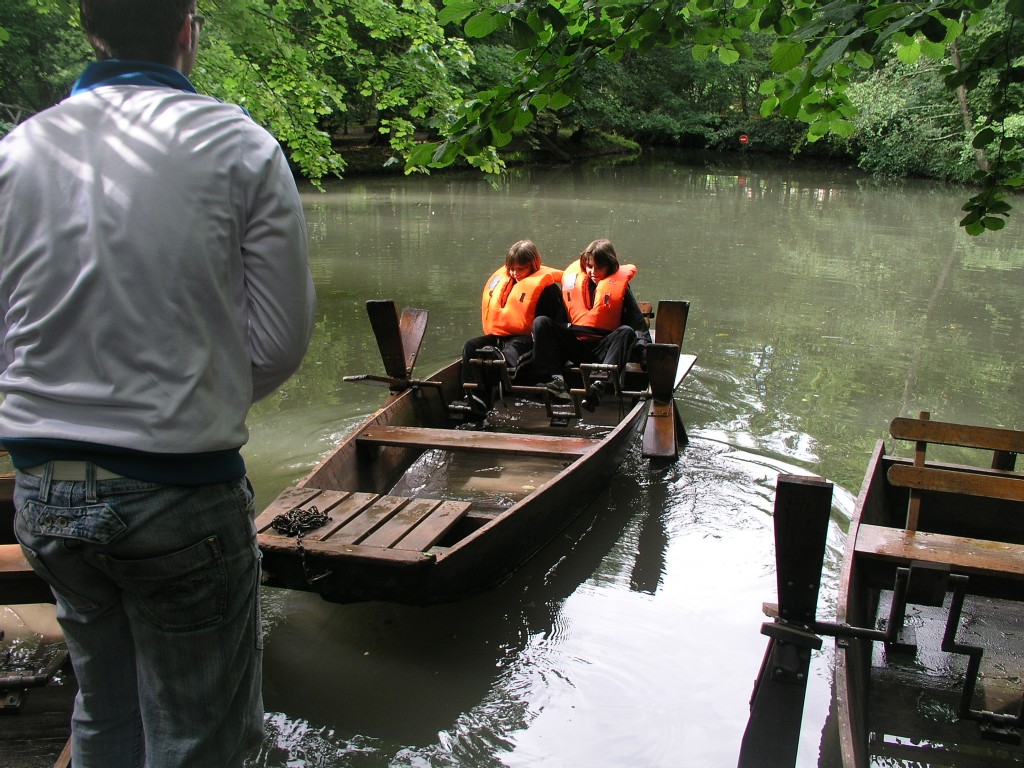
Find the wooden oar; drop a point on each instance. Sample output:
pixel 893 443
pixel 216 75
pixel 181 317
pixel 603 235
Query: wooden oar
pixel 662 432
pixel 802 509
pixel 398 339
pixel 670 321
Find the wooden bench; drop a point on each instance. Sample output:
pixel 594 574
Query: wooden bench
pixel 1000 482
pixel 999 560
pixel 544 446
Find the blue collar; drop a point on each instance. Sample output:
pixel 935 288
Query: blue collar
pixel 130 72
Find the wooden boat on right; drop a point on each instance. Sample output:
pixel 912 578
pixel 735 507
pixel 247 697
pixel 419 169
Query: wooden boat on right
pixel 934 560
pixel 929 629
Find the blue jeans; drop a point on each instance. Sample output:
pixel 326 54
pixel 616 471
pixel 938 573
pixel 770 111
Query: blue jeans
pixel 157 592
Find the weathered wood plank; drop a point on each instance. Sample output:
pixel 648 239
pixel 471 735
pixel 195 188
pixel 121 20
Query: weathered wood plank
pixel 803 506
pixel 412 326
pixel 384 321
pixel 433 528
pixel 368 520
pixel 670 321
pixel 286 545
pixel 660 439
pixel 991 558
pixel 550 446
pixel 662 364
pixel 1002 486
pixel 963 435
pixel 399 524
pixel 346 508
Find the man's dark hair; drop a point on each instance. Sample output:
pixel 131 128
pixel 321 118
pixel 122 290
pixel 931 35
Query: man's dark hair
pixel 134 29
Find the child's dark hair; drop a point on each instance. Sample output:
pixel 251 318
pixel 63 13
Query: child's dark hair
pixel 523 254
pixel 600 253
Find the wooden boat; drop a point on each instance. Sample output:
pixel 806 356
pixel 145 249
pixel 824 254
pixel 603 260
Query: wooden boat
pixel 935 555
pixel 929 627
pixel 419 505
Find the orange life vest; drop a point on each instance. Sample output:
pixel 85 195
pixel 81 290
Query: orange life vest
pixel 606 310
pixel 507 308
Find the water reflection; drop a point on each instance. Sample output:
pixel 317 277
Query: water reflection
pixel 823 305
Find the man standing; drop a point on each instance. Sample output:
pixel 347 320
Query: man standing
pixel 153 284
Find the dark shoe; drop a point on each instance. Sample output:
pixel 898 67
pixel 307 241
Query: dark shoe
pixel 556 388
pixel 594 392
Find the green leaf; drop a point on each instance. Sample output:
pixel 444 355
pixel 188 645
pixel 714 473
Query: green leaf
pixel 878 16
pixel 523 118
pixel 934 51
pixel 559 100
pixel 934 30
pixel 485 23
pixel 422 154
pixel 523 35
pixel 728 55
pixel 909 54
pixel 787 54
pixel 983 138
pixel 500 138
pixel 701 52
pixel 539 101
pixel 553 17
pixel 456 11
pixel 843 128
pixel 863 59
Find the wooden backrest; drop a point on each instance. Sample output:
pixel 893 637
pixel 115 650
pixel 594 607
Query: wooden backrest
pixel 1001 481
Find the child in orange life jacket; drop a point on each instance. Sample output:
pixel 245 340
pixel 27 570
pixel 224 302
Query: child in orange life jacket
pixel 513 297
pixel 605 322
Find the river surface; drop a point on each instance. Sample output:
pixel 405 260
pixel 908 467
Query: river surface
pixel 823 304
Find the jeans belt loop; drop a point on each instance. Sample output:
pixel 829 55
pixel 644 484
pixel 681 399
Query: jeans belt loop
pixel 71 470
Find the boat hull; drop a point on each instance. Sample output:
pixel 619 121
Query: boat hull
pixel 492 538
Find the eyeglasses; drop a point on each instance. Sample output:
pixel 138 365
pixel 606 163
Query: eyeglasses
pixel 198 20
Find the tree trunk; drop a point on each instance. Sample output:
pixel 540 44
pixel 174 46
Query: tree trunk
pixel 965 110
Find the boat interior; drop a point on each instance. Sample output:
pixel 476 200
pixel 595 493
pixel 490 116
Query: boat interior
pixel 939 554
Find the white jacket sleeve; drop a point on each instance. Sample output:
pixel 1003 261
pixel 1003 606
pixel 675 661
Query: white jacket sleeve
pixel 278 283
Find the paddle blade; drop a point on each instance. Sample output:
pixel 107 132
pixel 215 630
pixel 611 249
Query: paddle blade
pixel 661 440
pixel 384 321
pixel 662 369
pixel 412 328
pixel 670 321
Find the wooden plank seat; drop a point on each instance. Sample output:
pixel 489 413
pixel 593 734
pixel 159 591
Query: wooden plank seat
pixel 361 520
pixel 543 446
pixel 962 554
